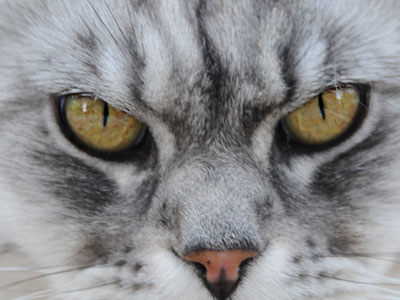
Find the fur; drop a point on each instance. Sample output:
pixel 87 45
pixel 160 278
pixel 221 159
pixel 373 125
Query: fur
pixel 211 79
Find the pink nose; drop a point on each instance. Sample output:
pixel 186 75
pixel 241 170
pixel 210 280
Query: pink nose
pixel 222 268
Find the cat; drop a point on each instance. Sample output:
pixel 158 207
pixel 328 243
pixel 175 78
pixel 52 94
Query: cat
pixel 176 149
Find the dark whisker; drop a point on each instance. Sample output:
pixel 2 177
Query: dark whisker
pixel 101 20
pixel 130 16
pixel 115 20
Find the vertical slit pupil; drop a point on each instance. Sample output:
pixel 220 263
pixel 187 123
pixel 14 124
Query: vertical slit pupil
pixel 321 106
pixel 105 114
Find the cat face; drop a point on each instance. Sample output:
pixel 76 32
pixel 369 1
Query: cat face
pixel 217 199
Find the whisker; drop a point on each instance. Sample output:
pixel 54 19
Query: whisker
pixel 38 269
pixel 84 289
pixel 35 295
pixel 376 256
pixel 115 20
pixel 130 16
pixel 90 288
pixel 372 254
pixel 387 298
pixel 362 104
pixel 395 283
pixel 7 286
pixel 55 294
pixel 389 291
pixel 101 20
pixel 15 269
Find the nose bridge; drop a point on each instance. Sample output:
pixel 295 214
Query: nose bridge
pixel 219 176
pixel 215 196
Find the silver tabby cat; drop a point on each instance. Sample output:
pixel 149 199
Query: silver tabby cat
pixel 216 197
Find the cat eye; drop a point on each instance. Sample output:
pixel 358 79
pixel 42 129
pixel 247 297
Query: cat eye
pixel 97 126
pixel 325 118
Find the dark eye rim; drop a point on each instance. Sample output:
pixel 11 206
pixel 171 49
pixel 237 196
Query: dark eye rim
pixel 288 141
pixel 137 151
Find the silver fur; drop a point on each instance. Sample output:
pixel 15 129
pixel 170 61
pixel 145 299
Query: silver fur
pixel 326 223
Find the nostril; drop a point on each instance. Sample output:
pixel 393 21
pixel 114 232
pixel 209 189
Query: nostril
pixel 200 269
pixel 226 262
pixel 221 270
pixel 243 266
pixel 222 288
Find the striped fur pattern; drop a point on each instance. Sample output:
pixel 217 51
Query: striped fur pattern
pixel 211 79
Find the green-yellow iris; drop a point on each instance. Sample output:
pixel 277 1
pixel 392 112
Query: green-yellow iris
pixel 100 126
pixel 324 118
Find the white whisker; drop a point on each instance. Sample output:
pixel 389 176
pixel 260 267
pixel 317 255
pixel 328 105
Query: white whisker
pixel 54 294
pixel 89 288
pixel 389 291
pixel 15 269
pixel 52 273
pixel 372 256
pixel 35 295
pixel 384 279
pixel 39 270
pixel 46 268
pixel 362 281
pixel 387 298
pixel 58 294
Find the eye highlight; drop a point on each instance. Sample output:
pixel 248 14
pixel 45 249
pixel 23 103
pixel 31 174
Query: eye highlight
pixel 98 126
pixel 325 118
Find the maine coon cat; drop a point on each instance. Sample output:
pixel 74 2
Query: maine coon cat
pixel 174 149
